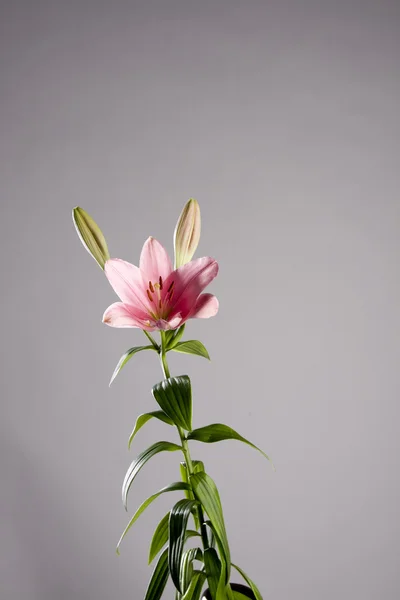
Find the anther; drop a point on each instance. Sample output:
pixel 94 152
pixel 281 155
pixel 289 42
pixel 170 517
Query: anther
pixel 151 287
pixel 149 296
pixel 160 282
pixel 171 286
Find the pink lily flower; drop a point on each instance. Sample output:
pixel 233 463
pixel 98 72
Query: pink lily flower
pixel 154 296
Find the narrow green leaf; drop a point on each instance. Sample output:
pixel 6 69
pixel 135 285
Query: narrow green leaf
pixel 140 461
pixel 196 585
pixel 178 519
pixel 213 569
pixel 186 567
pixel 142 420
pixel 174 396
pixel 217 432
pixel 206 492
pixel 159 578
pixel 224 591
pixel 127 356
pixel 175 338
pixel 173 487
pixel 239 596
pixel 197 465
pixel 90 235
pixel 191 347
pixel 249 582
pixel 160 538
pixel 211 540
pixel 192 533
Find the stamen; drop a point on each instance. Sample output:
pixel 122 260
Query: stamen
pixel 160 282
pixel 170 295
pixel 159 303
pixel 151 287
pixel 149 296
pixel 171 286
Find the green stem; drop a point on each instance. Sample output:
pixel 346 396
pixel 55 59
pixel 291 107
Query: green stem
pixel 185 447
pixel 163 357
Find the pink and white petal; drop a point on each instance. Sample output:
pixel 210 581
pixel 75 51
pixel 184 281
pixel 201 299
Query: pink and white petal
pixel 154 261
pixel 123 315
pixel 174 322
pixel 206 306
pixel 128 283
pixel 189 281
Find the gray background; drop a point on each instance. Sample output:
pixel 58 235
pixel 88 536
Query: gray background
pixel 281 118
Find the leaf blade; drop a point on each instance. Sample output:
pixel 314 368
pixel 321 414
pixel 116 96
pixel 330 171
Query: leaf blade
pixel 172 487
pixel 249 582
pixel 159 539
pixel 144 417
pixel 178 519
pixel 207 493
pixel 174 396
pixel 191 347
pixel 140 461
pixel 217 432
pixel 158 579
pixel 126 357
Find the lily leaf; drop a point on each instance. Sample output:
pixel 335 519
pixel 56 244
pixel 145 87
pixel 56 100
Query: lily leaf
pixel 160 538
pixel 197 465
pixel 159 578
pixel 173 487
pixel 213 569
pixel 217 432
pixel 142 420
pixel 196 585
pixel 249 582
pixel 191 347
pixel 127 356
pixel 175 338
pixel 178 519
pixel 206 492
pixel 140 461
pixel 186 568
pixel 174 396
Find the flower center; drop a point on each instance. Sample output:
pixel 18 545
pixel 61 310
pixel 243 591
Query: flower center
pixel 160 298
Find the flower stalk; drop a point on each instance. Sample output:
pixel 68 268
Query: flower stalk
pixel 154 296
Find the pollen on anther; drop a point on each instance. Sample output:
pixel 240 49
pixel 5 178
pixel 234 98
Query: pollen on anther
pixel 149 296
pixel 160 282
pixel 171 286
pixel 151 287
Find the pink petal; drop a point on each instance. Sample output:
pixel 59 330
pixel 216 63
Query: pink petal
pixel 154 261
pixel 190 280
pixel 175 322
pixel 205 307
pixel 123 315
pixel 127 282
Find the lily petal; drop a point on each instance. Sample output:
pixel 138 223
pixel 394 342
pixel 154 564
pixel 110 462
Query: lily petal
pixel 154 261
pixel 127 282
pixel 123 315
pixel 190 280
pixel 205 307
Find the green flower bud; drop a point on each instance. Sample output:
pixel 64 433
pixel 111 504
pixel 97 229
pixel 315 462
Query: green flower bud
pixel 90 235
